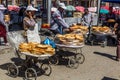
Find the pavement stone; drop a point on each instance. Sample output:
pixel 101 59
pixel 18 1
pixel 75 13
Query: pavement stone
pixel 99 65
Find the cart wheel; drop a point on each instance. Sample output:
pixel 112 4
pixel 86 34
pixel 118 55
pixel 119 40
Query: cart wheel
pixel 73 63
pixel 30 74
pixel 104 44
pixel 13 70
pixel 47 69
pixel 54 60
pixel 80 58
pixel 92 43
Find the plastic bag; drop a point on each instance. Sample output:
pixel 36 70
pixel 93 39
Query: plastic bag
pixel 49 42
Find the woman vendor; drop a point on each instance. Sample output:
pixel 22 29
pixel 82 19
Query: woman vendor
pixel 3 27
pixel 31 31
pixel 30 26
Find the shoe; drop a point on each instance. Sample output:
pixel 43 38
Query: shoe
pixel 6 44
pixel 117 59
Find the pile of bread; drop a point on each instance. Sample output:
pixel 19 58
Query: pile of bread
pixel 77 14
pixel 79 28
pixel 111 20
pixel 36 48
pixel 70 39
pixel 104 29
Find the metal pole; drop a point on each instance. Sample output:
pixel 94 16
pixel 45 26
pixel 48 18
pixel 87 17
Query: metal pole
pixel 6 3
pixel 49 11
pixel 98 11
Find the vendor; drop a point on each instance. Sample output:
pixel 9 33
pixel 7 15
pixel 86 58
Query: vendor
pixel 31 31
pixel 87 21
pixel 117 32
pixel 30 26
pixel 87 18
pixel 57 22
pixel 3 27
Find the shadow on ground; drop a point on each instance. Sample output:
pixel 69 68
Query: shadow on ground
pixel 4 66
pixel 108 78
pixel 106 55
pixel 22 67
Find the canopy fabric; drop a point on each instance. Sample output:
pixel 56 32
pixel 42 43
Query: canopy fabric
pixel 79 8
pixel 105 7
pixel 13 7
pixel 112 1
pixel 70 8
pixel 92 9
pixel 104 11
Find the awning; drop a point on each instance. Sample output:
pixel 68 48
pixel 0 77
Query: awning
pixel 112 1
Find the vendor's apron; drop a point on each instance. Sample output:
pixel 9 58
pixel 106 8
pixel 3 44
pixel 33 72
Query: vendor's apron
pixel 33 35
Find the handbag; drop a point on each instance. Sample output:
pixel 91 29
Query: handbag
pixel 48 41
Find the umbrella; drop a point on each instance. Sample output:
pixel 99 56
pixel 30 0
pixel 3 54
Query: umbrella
pixel 13 7
pixel 104 11
pixel 80 8
pixel 105 7
pixel 92 9
pixel 70 8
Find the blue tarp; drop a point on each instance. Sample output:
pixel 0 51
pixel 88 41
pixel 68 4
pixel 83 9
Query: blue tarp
pixel 112 1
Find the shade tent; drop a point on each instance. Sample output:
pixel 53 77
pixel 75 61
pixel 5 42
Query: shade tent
pixel 112 1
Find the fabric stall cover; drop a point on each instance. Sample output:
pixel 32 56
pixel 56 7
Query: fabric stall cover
pixel 70 8
pixel 112 1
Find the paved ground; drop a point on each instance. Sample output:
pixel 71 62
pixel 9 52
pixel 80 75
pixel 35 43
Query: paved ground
pixel 99 65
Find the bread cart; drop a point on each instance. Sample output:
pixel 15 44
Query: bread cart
pixel 99 34
pixel 75 57
pixel 30 63
pixel 100 37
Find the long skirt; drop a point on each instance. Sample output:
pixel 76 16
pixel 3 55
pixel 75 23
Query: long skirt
pixel 3 33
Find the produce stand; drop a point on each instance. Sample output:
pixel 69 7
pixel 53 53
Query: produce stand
pixel 30 63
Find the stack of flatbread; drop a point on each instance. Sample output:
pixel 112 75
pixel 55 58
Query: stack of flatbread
pixel 36 48
pixel 70 39
pixel 99 29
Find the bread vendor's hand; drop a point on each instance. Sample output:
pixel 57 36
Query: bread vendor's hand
pixel 67 30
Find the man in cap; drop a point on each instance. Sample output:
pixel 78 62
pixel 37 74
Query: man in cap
pixel 58 23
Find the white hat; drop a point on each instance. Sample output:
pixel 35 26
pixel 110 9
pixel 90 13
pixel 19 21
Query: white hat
pixel 53 9
pixel 62 5
pixel 31 8
pixel 2 7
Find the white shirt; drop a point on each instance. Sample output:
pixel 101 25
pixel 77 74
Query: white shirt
pixel 87 19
